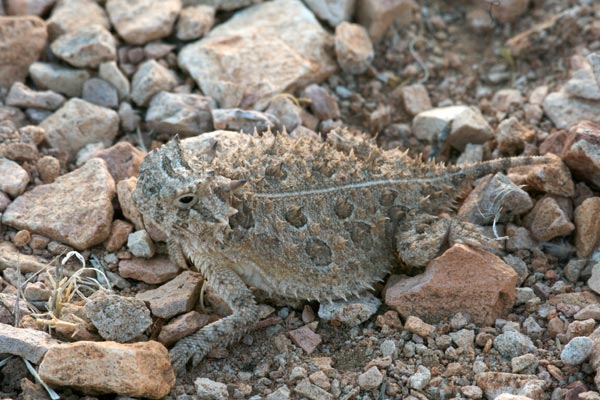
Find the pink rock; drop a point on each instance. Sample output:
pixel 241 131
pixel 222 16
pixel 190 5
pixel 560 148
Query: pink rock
pixel 154 271
pixel 175 297
pixel 123 160
pixel 463 279
pixel 587 223
pixel 581 152
pixel 119 231
pixel 305 338
pixel 182 326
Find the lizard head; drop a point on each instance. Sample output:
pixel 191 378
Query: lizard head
pixel 180 199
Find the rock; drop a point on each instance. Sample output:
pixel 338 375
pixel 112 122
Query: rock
pixel 472 392
pixel 116 317
pixel 565 110
pixel 235 119
pixel 334 12
pixel 29 7
pixel 587 232
pixel 119 231
pixel 581 151
pixel 462 279
pixel 417 326
pixel 583 85
pixel 286 111
pixel 415 99
pixel 495 198
pixel 142 21
pixel 195 22
pixel 86 46
pixel 140 244
pixel 88 190
pixel 525 364
pixel 70 15
pixel 496 383
pixel 552 178
pixel 513 344
pixel 182 326
pixel 123 160
pixel 150 79
pixel 23 39
pixel 226 5
pixel 124 190
pixel 509 11
pixel 226 61
pixel 154 271
pixel 100 92
pixel 512 136
pixel 420 379
pixel 479 21
pixel 505 100
pixel 110 72
pixel 377 16
pixel 207 389
pixel 78 123
pixel 305 338
pixel 322 103
pixel 137 370
pixel 29 344
pixel 10 257
pixel 22 96
pixel 14 177
pixel 352 312
pixel 577 350
pixel 157 49
pixel 312 392
pixel 463 338
pixel 282 393
pixel 353 48
pixel 22 238
pixel 594 60
pixel 580 328
pixel 427 125
pixel 469 126
pixel 67 81
pixel 548 220
pixel 175 297
pixel 370 379
pixel 130 118
pixel 182 113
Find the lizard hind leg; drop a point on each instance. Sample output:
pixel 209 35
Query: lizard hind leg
pixel 230 287
pixel 419 238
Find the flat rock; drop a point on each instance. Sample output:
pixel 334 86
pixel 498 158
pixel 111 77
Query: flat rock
pixel 587 227
pixel 195 22
pixel 581 151
pixel 153 271
pixel 247 121
pixel 497 383
pixel 123 160
pixel 175 297
pixel 78 123
pixel 182 326
pixel 22 40
pixel 234 63
pixel 88 191
pixel 547 220
pixel 352 312
pixel 462 279
pixel 10 257
pixel 334 12
pixel 135 370
pixel 30 344
pixel 583 84
pixel 305 338
pixel 427 125
pixel 86 47
pixel 552 178
pixel 14 177
pixel 512 136
pixel 65 80
pixel 101 93
pixel 353 48
pixel 21 95
pixel 142 21
pixel 117 317
pixel 150 79
pixel 565 110
pixel 69 15
pixel 377 16
pixel 182 113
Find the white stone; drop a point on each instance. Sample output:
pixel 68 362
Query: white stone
pixel 566 111
pixel 182 113
pixel 195 22
pixel 427 125
pixel 86 47
pixel 57 78
pixel 149 79
pixel 333 11
pixel 207 389
pixel 14 177
pixel 110 72
pixel 370 379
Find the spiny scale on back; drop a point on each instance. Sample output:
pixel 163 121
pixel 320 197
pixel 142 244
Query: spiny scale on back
pixel 311 220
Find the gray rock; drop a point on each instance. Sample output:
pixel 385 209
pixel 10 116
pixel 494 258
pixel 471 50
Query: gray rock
pixel 565 110
pixel 175 297
pixel 352 312
pixel 70 15
pixel 286 111
pixel 195 22
pixel 186 114
pixel 523 295
pixel 14 177
pixel 525 364
pixel 463 338
pixel 235 119
pixel 573 269
pixel 583 84
pixel 100 92
pixel 142 21
pixel 21 95
pixel 334 12
pixel 57 78
pixel 30 344
pixel 594 60
pixel 594 281
pixel 282 393
pixel 130 118
pixel 370 379
pixel 140 244
pixel 234 63
pixel 86 47
pixel 78 123
pixel 310 391
pixel 353 48
pixel 388 348
pixel 420 379
pixel 116 317
pixel 110 72
pixel 428 125
pixel 469 126
pixel 149 79
pixel 377 16
pixel 532 328
pixel 227 5
pixel 513 344
pixel 512 136
pixel 577 351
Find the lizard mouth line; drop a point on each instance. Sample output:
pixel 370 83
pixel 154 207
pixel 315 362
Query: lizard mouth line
pixel 351 186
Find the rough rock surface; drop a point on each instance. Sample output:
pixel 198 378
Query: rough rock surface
pixel 86 222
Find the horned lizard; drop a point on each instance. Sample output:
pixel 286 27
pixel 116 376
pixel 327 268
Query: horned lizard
pixel 297 218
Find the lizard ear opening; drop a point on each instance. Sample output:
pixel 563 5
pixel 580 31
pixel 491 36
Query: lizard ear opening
pixel 186 201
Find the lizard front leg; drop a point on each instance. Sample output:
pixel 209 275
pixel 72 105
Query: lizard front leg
pixel 230 287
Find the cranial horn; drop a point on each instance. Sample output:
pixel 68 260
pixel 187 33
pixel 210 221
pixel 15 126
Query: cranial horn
pixel 233 185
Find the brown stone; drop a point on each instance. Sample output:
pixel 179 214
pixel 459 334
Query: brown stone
pixel 154 271
pixel 553 178
pixel 119 231
pixel 305 338
pixel 497 383
pixel 548 220
pixel 175 297
pixel 462 279
pixel 123 160
pixel 182 326
pixel 377 15
pixel 27 343
pixel 581 152
pixel 587 224
pixel 136 370
pixel 49 168
pixel 417 326
pixel 22 40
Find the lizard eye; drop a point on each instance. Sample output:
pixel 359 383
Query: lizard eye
pixel 186 201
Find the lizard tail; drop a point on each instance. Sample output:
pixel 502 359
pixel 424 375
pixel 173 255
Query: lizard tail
pixel 474 171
